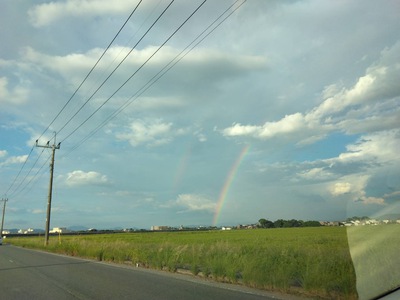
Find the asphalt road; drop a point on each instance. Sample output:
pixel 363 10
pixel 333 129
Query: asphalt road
pixel 29 274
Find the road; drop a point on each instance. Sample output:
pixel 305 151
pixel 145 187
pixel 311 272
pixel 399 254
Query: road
pixel 30 274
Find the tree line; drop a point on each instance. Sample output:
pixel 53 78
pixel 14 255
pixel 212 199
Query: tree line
pixel 280 223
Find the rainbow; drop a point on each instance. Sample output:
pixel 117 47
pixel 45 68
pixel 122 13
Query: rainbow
pixel 227 184
pixel 182 166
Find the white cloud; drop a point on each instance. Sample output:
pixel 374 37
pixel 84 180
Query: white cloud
pixel 316 174
pixel 289 124
pixel 202 137
pixel 3 153
pixel 159 103
pixel 372 153
pixel 193 202
pixel 200 65
pixel 47 13
pixel 340 188
pixel 79 178
pixel 14 160
pixel 378 91
pixel 150 133
pixel 381 147
pixel 17 95
pixel 355 187
pixel 371 200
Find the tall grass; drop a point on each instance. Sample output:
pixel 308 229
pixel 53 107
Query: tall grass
pixel 309 261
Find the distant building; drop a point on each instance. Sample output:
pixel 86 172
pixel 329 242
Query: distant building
pixel 226 228
pixel 27 231
pixel 157 228
pixel 59 230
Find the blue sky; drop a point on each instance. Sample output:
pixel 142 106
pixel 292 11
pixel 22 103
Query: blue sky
pixel 289 109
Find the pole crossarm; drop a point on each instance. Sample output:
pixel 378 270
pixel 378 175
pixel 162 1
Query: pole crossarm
pixel 47 145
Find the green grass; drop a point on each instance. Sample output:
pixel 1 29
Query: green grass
pixel 308 261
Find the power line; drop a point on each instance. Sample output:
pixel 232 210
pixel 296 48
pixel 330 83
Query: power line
pixel 130 77
pixel 164 70
pixel 91 70
pixel 72 96
pixel 15 179
pixel 144 88
pixel 27 174
pixel 34 178
pixel 108 77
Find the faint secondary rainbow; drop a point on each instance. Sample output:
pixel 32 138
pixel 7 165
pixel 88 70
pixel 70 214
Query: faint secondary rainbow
pixel 182 166
pixel 227 184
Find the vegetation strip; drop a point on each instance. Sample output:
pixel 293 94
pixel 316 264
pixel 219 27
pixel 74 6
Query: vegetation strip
pixel 306 261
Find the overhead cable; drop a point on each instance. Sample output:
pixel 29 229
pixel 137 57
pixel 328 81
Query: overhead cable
pixel 91 70
pixel 200 37
pixel 27 174
pixel 113 71
pixel 16 177
pixel 33 178
pixel 130 77
pixel 72 96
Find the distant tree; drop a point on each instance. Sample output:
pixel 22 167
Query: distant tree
pixel 264 223
pixel 269 224
pixel 279 223
pixel 311 224
pixel 292 223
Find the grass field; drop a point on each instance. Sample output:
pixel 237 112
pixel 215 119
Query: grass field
pixel 307 261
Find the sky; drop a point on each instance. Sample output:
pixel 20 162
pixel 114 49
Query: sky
pixel 273 109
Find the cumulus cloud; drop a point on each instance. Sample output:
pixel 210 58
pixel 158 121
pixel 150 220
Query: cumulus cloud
pixel 373 153
pixel 319 173
pixel 14 160
pixel 288 124
pixel 380 147
pixel 355 187
pixel 47 13
pixel 149 132
pixel 79 178
pixel 3 153
pixel 371 200
pixel 372 104
pixel 340 188
pixel 17 95
pixel 200 65
pixel 353 174
pixel 193 202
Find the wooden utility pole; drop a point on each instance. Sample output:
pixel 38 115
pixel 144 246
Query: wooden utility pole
pixel 4 211
pixel 53 148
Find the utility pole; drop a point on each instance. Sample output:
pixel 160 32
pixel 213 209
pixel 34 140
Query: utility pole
pixel 53 148
pixel 2 220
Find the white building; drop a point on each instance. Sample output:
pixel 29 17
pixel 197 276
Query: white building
pixel 59 230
